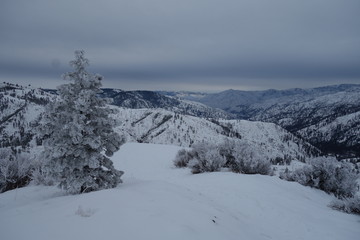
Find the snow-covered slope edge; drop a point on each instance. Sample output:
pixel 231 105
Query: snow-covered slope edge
pixel 158 201
pixel 165 127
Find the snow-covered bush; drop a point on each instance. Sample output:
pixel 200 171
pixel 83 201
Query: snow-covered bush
pixel 246 160
pixel 15 169
pixel 206 158
pixel 348 205
pixel 182 158
pixel 327 174
pixel 302 175
pixel 79 135
pixel 238 157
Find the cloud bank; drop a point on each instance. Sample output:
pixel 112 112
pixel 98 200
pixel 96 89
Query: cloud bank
pixel 184 45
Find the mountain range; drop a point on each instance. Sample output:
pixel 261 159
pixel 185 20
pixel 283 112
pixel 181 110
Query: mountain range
pixel 154 118
pixel 328 117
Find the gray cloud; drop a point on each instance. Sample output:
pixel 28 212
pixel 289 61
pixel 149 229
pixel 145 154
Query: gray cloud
pixel 204 44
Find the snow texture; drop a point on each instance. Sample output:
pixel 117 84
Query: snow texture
pixel 158 201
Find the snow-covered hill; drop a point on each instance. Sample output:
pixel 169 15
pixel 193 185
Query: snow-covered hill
pixel 20 108
pixel 158 201
pixel 305 112
pixel 341 134
pixel 165 127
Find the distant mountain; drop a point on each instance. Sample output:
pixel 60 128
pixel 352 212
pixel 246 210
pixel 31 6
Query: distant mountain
pixel 138 99
pixel 165 127
pixel 151 99
pixel 327 117
pixel 192 96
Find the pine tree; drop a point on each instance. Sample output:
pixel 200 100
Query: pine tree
pixel 79 135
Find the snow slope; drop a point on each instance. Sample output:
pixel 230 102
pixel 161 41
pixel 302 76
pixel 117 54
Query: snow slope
pixel 158 201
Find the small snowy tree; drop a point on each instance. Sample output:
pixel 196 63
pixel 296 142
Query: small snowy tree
pixel 79 135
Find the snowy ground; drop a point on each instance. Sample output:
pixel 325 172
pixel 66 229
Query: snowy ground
pixel 158 201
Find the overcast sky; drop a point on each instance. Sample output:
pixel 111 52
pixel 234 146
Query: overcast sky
pixel 202 45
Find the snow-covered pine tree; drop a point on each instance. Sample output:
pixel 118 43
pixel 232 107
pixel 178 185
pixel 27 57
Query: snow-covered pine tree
pixel 79 135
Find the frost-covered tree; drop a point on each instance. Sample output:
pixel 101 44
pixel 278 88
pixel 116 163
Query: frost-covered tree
pixel 79 135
